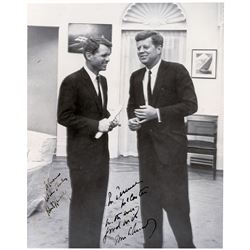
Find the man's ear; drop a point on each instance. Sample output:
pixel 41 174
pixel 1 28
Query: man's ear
pixel 88 55
pixel 159 49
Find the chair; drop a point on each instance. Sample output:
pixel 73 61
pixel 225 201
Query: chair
pixel 202 139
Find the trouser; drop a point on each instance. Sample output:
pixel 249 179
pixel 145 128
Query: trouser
pixel 168 190
pixel 87 207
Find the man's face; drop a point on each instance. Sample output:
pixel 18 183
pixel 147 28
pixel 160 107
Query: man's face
pixel 100 59
pixel 147 52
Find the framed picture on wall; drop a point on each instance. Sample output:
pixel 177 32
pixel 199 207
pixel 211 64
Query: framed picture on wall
pixel 204 63
pixel 78 33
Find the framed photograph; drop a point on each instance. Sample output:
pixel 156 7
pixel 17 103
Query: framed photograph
pixel 204 63
pixel 79 32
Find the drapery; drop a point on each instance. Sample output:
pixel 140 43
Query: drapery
pixel 174 49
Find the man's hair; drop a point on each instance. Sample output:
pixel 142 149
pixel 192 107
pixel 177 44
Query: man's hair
pixel 92 44
pixel 157 38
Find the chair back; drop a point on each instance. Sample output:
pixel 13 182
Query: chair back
pixel 202 127
pixel 202 139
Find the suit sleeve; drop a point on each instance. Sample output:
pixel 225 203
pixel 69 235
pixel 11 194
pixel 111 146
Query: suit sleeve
pixel 66 111
pixel 131 101
pixel 186 98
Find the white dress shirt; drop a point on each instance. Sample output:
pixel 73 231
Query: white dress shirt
pixel 94 81
pixel 154 72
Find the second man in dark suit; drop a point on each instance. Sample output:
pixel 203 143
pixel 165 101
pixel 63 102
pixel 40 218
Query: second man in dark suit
pixel 82 109
pixel 161 95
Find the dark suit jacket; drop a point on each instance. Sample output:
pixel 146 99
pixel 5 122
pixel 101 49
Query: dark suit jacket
pixel 175 97
pixel 80 112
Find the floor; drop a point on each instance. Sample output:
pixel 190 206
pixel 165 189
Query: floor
pixel 49 229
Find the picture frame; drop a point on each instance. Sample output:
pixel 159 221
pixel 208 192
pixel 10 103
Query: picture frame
pixel 204 63
pixel 78 33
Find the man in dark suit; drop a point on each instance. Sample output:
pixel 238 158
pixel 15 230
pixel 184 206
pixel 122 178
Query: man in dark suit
pixel 82 108
pixel 161 95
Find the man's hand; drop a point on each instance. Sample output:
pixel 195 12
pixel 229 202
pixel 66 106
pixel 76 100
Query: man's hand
pixel 146 113
pixel 114 124
pixel 134 124
pixel 104 125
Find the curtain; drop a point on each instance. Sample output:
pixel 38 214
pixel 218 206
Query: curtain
pixel 174 49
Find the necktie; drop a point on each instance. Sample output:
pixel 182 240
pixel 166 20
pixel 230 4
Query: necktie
pixel 150 96
pixel 99 95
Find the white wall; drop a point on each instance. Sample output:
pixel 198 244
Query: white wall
pixel 42 79
pixel 202 32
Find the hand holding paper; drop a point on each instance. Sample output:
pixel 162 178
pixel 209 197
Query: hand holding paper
pixel 113 122
pixel 104 125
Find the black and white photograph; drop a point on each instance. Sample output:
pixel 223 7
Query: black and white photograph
pixel 125 128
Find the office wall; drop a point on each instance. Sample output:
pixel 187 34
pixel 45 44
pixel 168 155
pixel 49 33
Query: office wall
pixel 42 79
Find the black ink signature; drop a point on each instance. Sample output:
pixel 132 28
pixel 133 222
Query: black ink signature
pixel 121 193
pixel 119 238
pixel 52 187
pixel 111 230
pixel 48 184
pixel 130 210
pixel 121 216
pixel 121 222
pixel 110 202
pixel 133 197
pixel 126 219
pixel 62 181
pixel 143 191
pixel 54 204
pixel 133 230
pixel 49 193
pixel 129 198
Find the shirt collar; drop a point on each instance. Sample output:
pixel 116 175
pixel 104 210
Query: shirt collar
pixel 90 73
pixel 154 70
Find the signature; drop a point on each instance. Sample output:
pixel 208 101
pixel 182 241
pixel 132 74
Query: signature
pixel 52 189
pixel 121 216
pixel 54 204
pixel 125 222
pixel 129 198
pixel 121 193
pixel 131 231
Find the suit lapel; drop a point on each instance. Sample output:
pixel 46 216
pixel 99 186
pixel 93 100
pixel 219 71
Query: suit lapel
pixel 140 86
pixel 161 76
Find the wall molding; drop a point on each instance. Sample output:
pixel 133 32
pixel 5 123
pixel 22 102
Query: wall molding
pixel 152 15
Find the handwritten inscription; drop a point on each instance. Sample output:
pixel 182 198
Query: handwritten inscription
pixel 53 192
pixel 126 199
pixel 124 223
